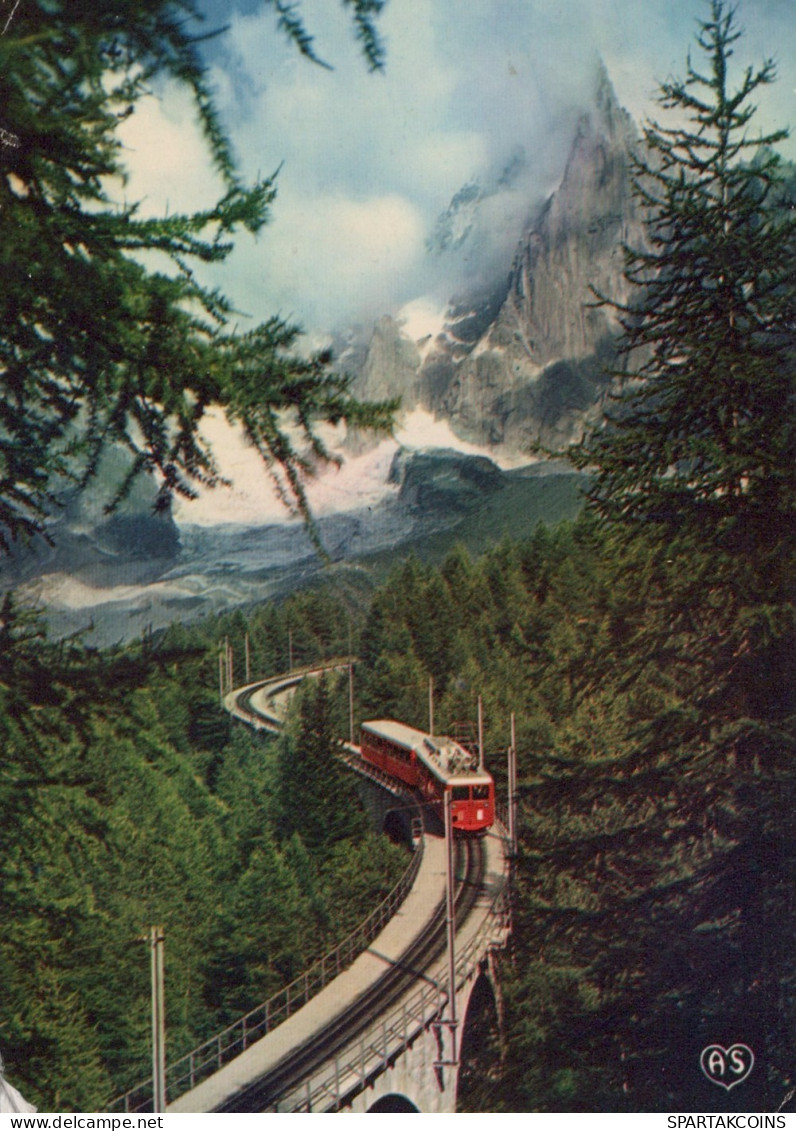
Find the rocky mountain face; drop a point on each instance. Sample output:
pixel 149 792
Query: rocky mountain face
pixel 518 358
pixel 521 359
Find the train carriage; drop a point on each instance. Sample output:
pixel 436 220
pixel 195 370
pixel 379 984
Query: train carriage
pixel 433 765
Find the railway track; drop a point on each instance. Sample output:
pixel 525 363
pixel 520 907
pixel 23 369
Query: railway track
pixel 299 1063
pixel 280 1086
pixel 298 1078
pixel 256 716
pixel 240 703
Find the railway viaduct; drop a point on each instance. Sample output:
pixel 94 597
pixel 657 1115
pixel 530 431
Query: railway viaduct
pixel 372 1029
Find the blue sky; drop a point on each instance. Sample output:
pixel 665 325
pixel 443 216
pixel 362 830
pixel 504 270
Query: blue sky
pixel 367 162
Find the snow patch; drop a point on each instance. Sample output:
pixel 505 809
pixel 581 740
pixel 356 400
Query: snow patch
pixel 60 591
pixel 252 500
pixel 420 429
pixel 358 482
pixel 422 318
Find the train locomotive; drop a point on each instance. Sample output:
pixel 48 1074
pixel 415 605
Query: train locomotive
pixel 433 765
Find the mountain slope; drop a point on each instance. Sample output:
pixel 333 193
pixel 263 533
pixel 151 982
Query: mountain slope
pixel 521 358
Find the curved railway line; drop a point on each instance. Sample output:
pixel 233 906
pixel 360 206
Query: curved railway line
pixel 240 702
pixel 382 995
pixel 396 986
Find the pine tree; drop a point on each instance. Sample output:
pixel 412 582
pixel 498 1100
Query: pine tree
pixel 96 347
pixel 661 889
pixel 265 934
pixel 700 437
pixel 696 459
pixel 317 798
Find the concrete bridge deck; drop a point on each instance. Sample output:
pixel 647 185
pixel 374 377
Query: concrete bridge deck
pixel 228 1087
pixel 343 1057
pixel 337 998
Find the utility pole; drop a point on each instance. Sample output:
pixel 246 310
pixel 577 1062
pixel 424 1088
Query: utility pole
pixel 450 918
pixel 248 660
pixel 350 700
pixel 431 704
pixel 512 776
pixel 157 940
pixel 350 685
pixel 480 734
pixel 290 649
pixel 221 676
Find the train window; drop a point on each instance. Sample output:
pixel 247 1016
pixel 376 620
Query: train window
pixel 480 792
pixel 460 793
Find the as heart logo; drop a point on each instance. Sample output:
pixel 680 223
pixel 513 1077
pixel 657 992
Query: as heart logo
pixel 727 1067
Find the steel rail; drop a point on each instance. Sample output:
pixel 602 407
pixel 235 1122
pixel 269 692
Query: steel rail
pixel 208 1057
pixel 268 1092
pixel 373 1052
pixel 298 1082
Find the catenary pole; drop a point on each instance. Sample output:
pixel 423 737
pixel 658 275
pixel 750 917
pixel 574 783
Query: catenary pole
pixel 157 942
pixel 351 701
pixel 450 919
pixel 513 788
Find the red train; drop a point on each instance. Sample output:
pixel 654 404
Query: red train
pixel 432 765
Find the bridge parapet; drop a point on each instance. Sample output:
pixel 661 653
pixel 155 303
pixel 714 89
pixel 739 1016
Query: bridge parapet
pixel 206 1059
pixel 404 1046
pixel 346 1074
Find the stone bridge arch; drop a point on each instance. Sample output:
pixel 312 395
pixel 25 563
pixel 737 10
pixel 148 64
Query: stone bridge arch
pixel 416 1080
pixel 481 1040
pixel 393 1102
pixel 389 814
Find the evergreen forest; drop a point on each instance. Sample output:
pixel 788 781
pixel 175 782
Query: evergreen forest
pixel 130 800
pixel 646 650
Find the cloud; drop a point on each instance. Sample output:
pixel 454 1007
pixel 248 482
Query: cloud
pixel 367 162
pixel 166 156
pixel 328 255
